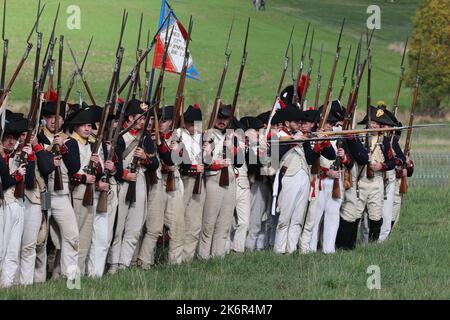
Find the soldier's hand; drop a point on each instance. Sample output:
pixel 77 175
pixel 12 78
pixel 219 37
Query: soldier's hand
pixel 94 158
pixel 341 153
pixel 333 174
pixel 131 176
pixel 404 172
pixel 21 170
pixel 224 163
pixel 33 140
pixel 172 168
pixel 103 186
pixel 140 153
pixel 57 140
pixel 90 179
pixel 376 166
pixel 109 165
pixel 57 161
pixel 2 151
pixel 200 168
pixel 173 145
pixel 27 149
pixel 298 135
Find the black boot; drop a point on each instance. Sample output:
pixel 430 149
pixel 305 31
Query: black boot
pixel 346 236
pixel 374 229
pixel 354 234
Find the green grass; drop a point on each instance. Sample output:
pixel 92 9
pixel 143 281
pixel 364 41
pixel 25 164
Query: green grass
pixel 413 263
pixel 268 37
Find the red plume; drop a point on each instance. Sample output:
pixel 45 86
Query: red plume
pixel 303 84
pixel 119 100
pixel 196 106
pixel 52 97
pixel 282 105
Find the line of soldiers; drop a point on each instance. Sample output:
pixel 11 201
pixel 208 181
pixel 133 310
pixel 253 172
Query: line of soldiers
pixel 48 233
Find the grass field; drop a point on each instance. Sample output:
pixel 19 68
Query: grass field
pixel 268 38
pixel 413 265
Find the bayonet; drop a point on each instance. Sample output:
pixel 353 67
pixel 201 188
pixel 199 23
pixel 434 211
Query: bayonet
pixel 80 73
pixel 300 69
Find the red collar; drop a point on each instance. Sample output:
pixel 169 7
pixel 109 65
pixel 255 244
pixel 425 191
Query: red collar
pixel 166 135
pixel 133 132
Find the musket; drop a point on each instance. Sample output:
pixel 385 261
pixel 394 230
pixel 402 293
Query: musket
pixel 400 80
pixel 369 172
pixel 33 113
pixel 37 61
pixel 80 73
pixel 344 74
pixel 142 57
pixel 326 104
pixel 102 204
pixel 138 53
pixel 224 179
pixel 352 86
pixel 308 76
pixel 292 66
pixel 319 80
pixel 345 134
pixel 147 74
pixel 351 106
pixel 52 34
pixel 300 69
pixel 407 149
pixel 216 107
pixel 131 192
pixel 5 49
pixel 280 84
pixel 56 149
pixel 7 90
pixel 74 73
pixel 51 73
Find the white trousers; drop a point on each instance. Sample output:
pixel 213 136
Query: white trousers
pixel 102 234
pixel 67 237
pixel 241 225
pixel 217 216
pixel 32 224
pixel 329 209
pixel 12 237
pixel 2 214
pixel 388 206
pixel 130 220
pixel 260 205
pixel 310 219
pixel 292 203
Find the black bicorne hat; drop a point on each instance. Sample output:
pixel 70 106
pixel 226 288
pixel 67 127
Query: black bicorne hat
pixel 193 113
pixel 49 109
pixel 252 123
pixel 378 115
pixel 264 117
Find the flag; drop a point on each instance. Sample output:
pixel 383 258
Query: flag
pixel 177 46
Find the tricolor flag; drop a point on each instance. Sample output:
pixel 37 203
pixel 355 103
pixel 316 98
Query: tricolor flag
pixel 177 46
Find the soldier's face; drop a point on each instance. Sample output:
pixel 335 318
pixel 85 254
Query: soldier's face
pixel 306 127
pixel 84 130
pixel 150 123
pixel 374 125
pixel 189 126
pixel 165 126
pixel 9 141
pixel 328 126
pixel 222 123
pixel 50 122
